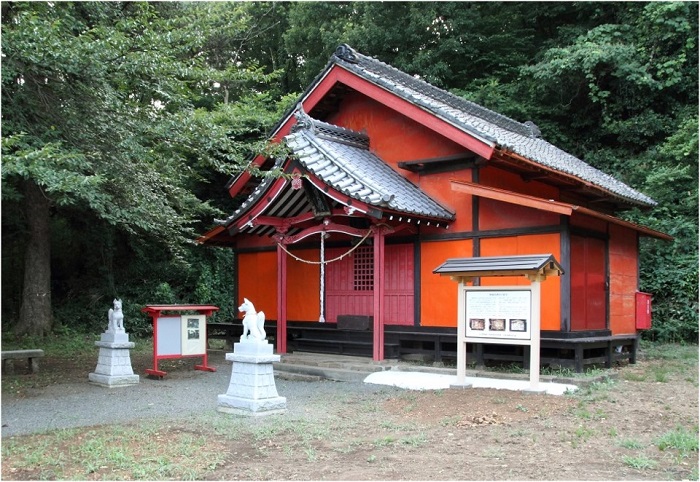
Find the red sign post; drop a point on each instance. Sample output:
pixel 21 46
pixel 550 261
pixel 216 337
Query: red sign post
pixel 177 335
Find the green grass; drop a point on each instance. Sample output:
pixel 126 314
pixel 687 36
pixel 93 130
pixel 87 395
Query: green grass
pixel 631 444
pixel 639 462
pixel 680 439
pixel 114 452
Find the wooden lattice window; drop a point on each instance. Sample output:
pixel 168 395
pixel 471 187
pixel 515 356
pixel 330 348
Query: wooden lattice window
pixel 363 269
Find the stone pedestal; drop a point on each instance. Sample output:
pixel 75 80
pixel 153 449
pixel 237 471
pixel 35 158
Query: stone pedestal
pixel 114 361
pixel 252 390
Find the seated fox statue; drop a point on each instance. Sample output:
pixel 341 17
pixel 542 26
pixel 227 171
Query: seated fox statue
pixel 253 322
pixel 116 317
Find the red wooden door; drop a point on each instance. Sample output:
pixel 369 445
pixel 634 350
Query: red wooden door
pixel 588 291
pixel 350 283
pixel 398 285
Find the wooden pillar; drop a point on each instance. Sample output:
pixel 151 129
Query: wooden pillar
pixel 461 334
pixel 536 310
pixel 378 351
pixel 281 340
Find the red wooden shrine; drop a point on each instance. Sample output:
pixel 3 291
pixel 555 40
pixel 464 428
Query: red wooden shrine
pixel 388 176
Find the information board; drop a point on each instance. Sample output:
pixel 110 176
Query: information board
pixel 499 314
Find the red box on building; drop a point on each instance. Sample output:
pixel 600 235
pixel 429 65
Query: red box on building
pixel 643 310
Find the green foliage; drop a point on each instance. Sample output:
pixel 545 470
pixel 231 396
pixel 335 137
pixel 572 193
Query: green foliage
pixel 671 272
pixel 130 115
pixel 117 112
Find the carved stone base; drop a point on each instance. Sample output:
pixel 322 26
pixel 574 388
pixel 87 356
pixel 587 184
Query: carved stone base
pixel 252 390
pixel 114 361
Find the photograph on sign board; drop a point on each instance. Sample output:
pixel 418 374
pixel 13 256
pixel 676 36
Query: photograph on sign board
pixel 518 325
pixel 193 329
pixel 497 324
pixel 477 324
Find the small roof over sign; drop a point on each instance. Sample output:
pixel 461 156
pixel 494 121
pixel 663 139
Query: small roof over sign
pixel 159 308
pixel 531 265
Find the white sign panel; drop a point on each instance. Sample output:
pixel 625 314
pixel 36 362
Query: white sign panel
pixel 498 314
pixel 194 337
pixel 168 339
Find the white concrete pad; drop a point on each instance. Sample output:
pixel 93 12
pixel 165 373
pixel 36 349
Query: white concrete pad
pixel 434 381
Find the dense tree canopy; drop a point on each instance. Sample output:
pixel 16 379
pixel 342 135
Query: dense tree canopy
pixel 122 122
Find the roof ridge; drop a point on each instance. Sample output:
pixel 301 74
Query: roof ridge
pixel 522 139
pixel 329 131
pixel 346 53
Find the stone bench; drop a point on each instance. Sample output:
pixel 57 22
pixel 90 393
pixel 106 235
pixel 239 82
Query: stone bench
pixel 32 357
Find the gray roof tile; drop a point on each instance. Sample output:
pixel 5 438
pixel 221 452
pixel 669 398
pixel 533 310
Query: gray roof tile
pixel 341 159
pixel 489 126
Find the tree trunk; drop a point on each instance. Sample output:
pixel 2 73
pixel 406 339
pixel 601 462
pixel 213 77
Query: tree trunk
pixel 35 315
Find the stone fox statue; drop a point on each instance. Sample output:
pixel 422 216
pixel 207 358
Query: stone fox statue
pixel 252 322
pixel 116 317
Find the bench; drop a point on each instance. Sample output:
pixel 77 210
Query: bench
pixel 31 356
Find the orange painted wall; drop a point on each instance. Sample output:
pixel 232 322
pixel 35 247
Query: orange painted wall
pixel 624 280
pixel 439 293
pixel 501 215
pixel 495 177
pixel 532 244
pixel 438 186
pixel 589 223
pixel 248 241
pixel 393 137
pixel 257 281
pixel 303 286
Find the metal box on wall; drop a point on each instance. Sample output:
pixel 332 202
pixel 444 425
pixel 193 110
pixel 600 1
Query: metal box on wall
pixel 642 310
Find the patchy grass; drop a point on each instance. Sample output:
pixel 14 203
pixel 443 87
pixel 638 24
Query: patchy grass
pixel 146 451
pixel 680 439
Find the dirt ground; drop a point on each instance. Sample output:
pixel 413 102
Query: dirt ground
pixel 609 431
pixel 488 434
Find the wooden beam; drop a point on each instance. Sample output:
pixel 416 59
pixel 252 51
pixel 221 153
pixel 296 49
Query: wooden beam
pixel 512 198
pixel 444 163
pixel 323 228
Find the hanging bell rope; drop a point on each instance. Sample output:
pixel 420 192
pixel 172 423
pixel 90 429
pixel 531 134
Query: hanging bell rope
pixel 337 258
pixel 321 319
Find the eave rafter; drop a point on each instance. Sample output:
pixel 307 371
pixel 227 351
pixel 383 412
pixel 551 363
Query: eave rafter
pixel 325 227
pixel 282 225
pixel 272 193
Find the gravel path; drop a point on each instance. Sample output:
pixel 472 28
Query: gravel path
pixel 179 394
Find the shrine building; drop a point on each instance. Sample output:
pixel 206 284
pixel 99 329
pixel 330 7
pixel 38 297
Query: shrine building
pixel 387 177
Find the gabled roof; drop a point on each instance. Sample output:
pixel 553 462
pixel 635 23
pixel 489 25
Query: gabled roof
pixel 342 160
pixel 337 164
pixel 488 127
pixel 543 264
pixel 521 138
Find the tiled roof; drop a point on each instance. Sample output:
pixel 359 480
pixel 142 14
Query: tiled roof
pixel 507 265
pixel 252 198
pixel 493 128
pixel 341 159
